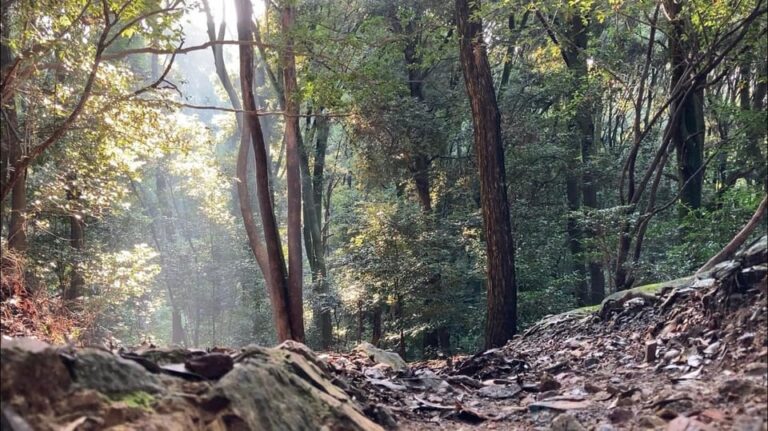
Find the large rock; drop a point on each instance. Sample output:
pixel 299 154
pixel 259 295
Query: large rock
pixel 284 389
pixel 382 356
pixel 110 374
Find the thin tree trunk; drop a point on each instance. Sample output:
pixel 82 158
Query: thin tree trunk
pixel 76 241
pixel 293 176
pixel 12 155
pixel 278 285
pixel 501 321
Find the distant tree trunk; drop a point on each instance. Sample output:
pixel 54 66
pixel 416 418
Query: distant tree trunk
pixel 278 283
pixel 688 131
pixel 17 226
pixel 12 154
pixel 165 216
pixel 501 321
pixel 573 52
pixel 312 185
pixel 376 325
pixel 76 241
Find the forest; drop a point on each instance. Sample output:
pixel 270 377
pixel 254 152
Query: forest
pixel 420 177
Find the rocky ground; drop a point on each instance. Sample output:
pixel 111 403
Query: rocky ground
pixel 686 355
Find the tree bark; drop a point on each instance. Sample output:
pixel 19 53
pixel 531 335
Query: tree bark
pixel 687 130
pixel 501 321
pixel 293 175
pixel 278 283
pixel 13 154
pixel 312 185
pixel 76 241
pixel 573 52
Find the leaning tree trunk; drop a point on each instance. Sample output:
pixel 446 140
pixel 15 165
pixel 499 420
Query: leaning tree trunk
pixel 278 283
pixel 501 321
pixel 739 239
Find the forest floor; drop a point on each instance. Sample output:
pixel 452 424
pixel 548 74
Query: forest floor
pixel 693 355
pixel 686 355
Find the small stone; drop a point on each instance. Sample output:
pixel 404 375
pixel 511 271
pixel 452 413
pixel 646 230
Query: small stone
pixel 499 392
pixel 566 422
pixel 747 339
pixel 618 416
pixel 736 388
pixel 650 422
pixel 671 354
pixel 756 369
pixel 650 351
pixel 591 388
pixel 712 349
pixel 548 383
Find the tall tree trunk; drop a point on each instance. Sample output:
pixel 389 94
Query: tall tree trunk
pixel 278 283
pixel 165 217
pixel 12 154
pixel 501 321
pixel 312 185
pixel 688 130
pixel 293 175
pixel 573 52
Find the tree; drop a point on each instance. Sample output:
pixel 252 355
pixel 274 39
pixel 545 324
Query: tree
pixel 288 325
pixel 501 319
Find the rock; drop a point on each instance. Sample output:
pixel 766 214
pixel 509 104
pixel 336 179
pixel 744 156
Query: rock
pixel 619 415
pixel 671 354
pixel 756 369
pixel 712 350
pixel 748 423
pixel 169 356
pixel 27 344
pixel 382 356
pixel 381 414
pixel 499 392
pixel 753 275
pixel 211 366
pixel 756 254
pixel 682 423
pixel 736 388
pixel 591 388
pixel 650 422
pixel 566 422
pixel 32 378
pixel 120 412
pixel 280 389
pixel 110 374
pixel 650 351
pixel 461 379
pixel 548 383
